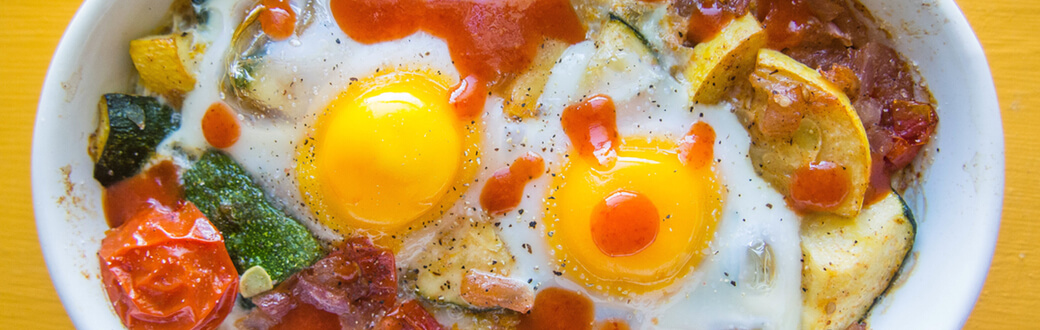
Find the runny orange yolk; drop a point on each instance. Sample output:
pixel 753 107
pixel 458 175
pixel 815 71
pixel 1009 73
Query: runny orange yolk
pixel 384 153
pixel 634 227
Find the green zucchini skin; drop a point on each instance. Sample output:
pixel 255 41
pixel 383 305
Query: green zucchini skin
pixel 255 232
pixel 136 125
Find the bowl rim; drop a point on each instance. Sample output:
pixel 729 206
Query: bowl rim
pixel 73 41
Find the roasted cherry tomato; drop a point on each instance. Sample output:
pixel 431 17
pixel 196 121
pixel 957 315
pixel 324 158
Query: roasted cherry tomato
pixel 409 315
pixel 168 269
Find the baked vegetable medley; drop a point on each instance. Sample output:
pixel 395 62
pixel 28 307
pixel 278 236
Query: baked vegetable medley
pixel 501 164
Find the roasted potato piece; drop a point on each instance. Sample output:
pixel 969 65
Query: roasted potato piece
pixel 723 61
pixel 848 262
pixel 523 92
pixel 797 118
pixel 166 63
pixel 467 245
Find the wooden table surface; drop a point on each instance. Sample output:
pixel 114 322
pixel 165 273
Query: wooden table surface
pixel 30 30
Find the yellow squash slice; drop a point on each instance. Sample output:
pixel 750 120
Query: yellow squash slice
pixel 718 64
pixel 166 63
pixel 797 118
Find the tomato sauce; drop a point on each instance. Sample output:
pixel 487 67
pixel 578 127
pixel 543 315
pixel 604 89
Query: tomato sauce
pixel 159 184
pixel 556 308
pixel 592 128
pixel 488 40
pixel 220 126
pixel 709 17
pixel 624 223
pixel 504 190
pixel 819 187
pixel 697 147
pixel 787 22
pixel 278 20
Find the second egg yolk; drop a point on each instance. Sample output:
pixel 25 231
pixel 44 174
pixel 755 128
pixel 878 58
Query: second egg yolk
pixel 634 227
pixel 383 154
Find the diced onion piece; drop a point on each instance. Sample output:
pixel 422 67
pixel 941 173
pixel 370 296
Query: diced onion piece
pixel 489 290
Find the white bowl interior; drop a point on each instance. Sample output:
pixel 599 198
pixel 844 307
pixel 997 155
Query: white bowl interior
pixel 957 204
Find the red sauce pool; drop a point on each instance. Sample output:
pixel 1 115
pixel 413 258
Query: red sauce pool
pixel 786 21
pixel 159 184
pixel 488 40
pixel 504 190
pixel 468 97
pixel 556 308
pixel 624 223
pixel 612 324
pixel 697 148
pixel 220 126
pixel 592 128
pixel 819 186
pixel 277 19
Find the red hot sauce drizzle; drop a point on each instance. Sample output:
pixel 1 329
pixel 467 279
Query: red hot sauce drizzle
pixel 278 20
pixel 592 128
pixel 488 40
pixel 697 148
pixel 219 126
pixel 556 308
pixel 819 187
pixel 159 184
pixel 624 224
pixel 504 190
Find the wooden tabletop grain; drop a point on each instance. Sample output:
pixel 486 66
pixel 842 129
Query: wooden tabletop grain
pixel 1008 29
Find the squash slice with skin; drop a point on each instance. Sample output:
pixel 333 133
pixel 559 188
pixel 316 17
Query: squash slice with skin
pixel 797 118
pixel 848 262
pixel 718 64
pixel 166 63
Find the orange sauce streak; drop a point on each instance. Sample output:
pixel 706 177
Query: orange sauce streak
pixel 786 21
pixel 488 40
pixel 697 148
pixel 592 128
pixel 612 324
pixel 277 19
pixel 819 186
pixel 219 126
pixel 556 308
pixel 159 184
pixel 468 97
pixel 624 223
pixel 505 188
pixel 706 21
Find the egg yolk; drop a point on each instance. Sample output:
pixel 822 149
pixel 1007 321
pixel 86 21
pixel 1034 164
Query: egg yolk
pixel 384 153
pixel 636 226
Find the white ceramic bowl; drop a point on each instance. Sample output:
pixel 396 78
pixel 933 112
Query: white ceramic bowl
pixel 957 204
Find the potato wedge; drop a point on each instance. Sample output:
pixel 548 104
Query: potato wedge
pixel 797 118
pixel 464 246
pixel 716 64
pixel 166 63
pixel 522 93
pixel 848 262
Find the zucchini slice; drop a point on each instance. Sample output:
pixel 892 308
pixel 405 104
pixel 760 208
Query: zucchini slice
pixel 849 262
pixel 129 129
pixel 255 232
